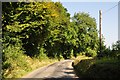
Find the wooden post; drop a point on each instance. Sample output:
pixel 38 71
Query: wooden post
pixel 100 25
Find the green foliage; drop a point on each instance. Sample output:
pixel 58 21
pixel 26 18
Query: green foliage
pixel 42 54
pixel 43 29
pixel 47 25
pixel 116 46
pixel 90 53
pixel 107 52
pixel 85 33
pixel 12 59
pixel 116 49
pixel 104 68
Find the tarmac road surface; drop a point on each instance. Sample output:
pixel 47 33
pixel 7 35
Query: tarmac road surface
pixel 62 70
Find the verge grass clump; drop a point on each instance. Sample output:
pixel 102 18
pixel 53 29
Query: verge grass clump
pixel 104 68
pixel 17 64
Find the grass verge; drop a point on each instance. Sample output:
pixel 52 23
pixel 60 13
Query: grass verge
pixel 24 65
pixel 98 69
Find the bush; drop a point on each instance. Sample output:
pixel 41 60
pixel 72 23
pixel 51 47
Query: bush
pixel 13 59
pixel 90 53
pixel 98 69
pixel 42 54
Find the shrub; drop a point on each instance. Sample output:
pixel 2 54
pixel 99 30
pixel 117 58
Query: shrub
pixel 12 59
pixel 42 54
pixel 90 52
pixel 97 69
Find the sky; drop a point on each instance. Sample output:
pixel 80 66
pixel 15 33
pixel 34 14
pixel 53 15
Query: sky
pixel 109 16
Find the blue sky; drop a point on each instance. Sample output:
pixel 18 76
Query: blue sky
pixel 109 19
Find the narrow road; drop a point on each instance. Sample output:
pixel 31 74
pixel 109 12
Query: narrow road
pixel 59 70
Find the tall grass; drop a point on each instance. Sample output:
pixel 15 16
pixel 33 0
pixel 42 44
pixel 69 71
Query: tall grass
pixel 98 69
pixel 16 64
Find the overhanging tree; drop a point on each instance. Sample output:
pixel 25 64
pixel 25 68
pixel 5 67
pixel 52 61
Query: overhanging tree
pixel 86 29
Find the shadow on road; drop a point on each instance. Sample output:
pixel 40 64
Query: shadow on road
pixel 42 79
pixel 61 79
pixel 68 68
pixel 69 73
